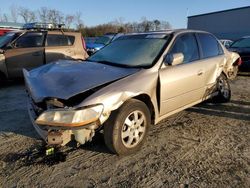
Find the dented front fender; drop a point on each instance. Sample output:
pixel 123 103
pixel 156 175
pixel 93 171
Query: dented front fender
pixel 115 94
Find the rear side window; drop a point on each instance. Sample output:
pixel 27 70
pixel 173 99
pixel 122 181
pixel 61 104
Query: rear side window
pixel 209 45
pixel 187 45
pixel 30 40
pixel 60 40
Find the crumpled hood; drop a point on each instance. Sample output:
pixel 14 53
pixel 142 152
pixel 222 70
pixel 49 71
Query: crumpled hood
pixel 64 79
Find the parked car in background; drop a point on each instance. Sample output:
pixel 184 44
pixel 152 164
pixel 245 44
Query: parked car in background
pixel 90 40
pixel 102 41
pixel 242 47
pixel 164 73
pixel 6 27
pixel 32 48
pixel 226 42
pixel 3 31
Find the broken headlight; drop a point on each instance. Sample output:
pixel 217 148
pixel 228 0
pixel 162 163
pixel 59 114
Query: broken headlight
pixel 70 117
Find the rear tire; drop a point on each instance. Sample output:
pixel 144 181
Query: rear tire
pixel 223 89
pixel 127 127
pixel 2 79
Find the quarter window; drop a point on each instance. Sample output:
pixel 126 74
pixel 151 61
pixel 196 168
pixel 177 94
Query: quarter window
pixel 30 40
pixel 60 40
pixel 209 45
pixel 187 45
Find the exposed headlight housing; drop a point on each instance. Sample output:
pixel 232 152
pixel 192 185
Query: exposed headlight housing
pixel 70 117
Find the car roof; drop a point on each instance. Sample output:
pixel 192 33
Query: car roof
pixel 168 31
pixel 49 31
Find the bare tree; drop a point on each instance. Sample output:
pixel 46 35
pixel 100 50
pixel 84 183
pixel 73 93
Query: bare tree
pixel 43 14
pixel 5 18
pixel 55 16
pixel 60 18
pixel 27 15
pixel 52 16
pixel 165 25
pixel 157 24
pixel 32 16
pixel 78 20
pixel 69 20
pixel 24 13
pixel 14 13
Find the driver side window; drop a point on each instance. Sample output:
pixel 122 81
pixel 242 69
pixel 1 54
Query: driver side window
pixel 29 40
pixel 187 45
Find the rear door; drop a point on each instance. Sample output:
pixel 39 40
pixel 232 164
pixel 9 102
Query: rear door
pixel 27 52
pixel 59 46
pixel 213 57
pixel 182 84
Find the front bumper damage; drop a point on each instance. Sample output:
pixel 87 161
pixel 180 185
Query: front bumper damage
pixel 59 136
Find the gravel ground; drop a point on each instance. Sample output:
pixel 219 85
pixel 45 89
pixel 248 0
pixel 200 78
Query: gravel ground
pixel 204 146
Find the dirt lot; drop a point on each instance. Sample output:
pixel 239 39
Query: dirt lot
pixel 205 146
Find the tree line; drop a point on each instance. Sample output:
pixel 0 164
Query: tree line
pixel 48 15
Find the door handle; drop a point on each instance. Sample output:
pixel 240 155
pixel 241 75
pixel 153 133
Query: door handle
pixel 200 72
pixel 36 54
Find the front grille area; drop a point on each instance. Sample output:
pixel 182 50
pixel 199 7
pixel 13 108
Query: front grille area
pixel 38 108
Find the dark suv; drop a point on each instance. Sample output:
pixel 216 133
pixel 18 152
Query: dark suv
pixel 242 47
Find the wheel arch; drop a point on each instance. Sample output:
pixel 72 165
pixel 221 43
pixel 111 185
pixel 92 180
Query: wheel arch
pixel 2 76
pixel 146 100
pixel 225 74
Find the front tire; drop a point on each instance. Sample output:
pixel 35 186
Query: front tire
pixel 223 89
pixel 126 129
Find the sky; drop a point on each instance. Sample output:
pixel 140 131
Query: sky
pixel 96 12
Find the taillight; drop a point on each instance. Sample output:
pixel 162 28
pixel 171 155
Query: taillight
pixel 239 61
pixel 83 43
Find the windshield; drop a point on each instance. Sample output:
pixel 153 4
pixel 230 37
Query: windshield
pixel 132 51
pixel 103 40
pixel 5 39
pixel 242 43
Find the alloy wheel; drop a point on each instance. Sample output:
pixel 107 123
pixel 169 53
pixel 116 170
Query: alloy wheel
pixel 133 129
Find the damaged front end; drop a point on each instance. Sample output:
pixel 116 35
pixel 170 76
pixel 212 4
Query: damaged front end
pixel 55 93
pixel 58 124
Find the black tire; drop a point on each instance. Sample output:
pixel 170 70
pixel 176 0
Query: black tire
pixel 115 129
pixel 223 89
pixel 2 79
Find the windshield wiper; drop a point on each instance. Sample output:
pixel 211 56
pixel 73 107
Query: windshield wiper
pixel 114 64
pixel 118 65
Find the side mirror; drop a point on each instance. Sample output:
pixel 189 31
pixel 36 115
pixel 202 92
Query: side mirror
pixel 174 59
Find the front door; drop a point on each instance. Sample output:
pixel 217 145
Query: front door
pixel 27 52
pixel 182 84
